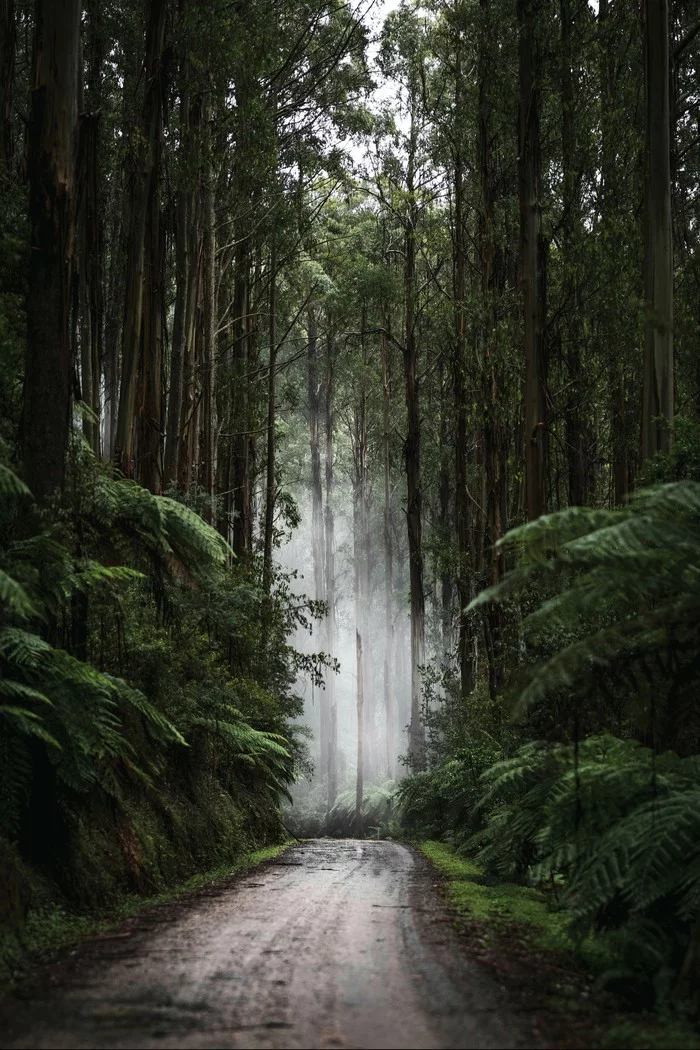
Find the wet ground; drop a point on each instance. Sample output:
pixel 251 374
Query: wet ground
pixel 335 944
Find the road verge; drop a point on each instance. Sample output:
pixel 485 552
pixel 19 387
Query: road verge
pixel 53 927
pixel 517 932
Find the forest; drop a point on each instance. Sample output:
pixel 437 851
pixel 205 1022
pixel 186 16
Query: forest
pixel 350 449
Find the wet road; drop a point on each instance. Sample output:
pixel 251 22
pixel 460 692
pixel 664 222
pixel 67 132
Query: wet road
pixel 335 944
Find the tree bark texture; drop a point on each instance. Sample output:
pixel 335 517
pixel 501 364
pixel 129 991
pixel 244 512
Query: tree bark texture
pixel 657 398
pixel 271 410
pixel 143 201
pixel 52 204
pixel 529 181
pixel 8 42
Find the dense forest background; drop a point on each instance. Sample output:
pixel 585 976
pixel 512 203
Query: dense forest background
pixel 354 351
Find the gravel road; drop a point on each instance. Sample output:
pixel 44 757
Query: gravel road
pixel 335 944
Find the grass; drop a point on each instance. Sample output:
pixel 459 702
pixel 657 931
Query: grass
pixel 505 904
pixel 52 925
pixel 509 914
pixel 667 1035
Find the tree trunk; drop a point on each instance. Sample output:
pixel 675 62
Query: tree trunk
pixel 360 778
pixel 571 323
pixel 414 503
pixel 182 277
pixel 329 545
pixel 465 644
pixel 239 400
pixel 271 411
pixel 8 43
pixel 444 522
pixel 209 302
pixel 143 190
pixel 91 225
pixel 657 400
pixel 390 710
pixel 529 178
pixel 188 401
pixel 90 276
pixel 494 480
pixel 610 205
pixel 51 141
pixel 314 384
pixel 113 312
pixel 149 467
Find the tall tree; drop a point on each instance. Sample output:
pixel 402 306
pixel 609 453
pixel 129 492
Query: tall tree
pixel 7 77
pixel 52 192
pixel 657 400
pixel 329 569
pixel 314 387
pixel 570 12
pixel 529 13
pixel 390 685
pixel 142 218
pixel 463 513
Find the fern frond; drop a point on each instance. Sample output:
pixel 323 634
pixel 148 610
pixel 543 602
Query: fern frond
pixel 14 597
pixel 194 542
pixel 11 486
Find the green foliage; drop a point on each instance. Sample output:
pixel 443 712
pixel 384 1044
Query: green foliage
pixel 614 828
pixel 134 688
pixel 607 825
pixel 616 608
pixel 500 904
pixel 48 695
pixel 442 801
pixel 378 811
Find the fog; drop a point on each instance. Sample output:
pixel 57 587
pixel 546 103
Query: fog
pixel 353 615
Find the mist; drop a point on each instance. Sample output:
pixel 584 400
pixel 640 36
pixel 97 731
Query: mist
pixel 385 653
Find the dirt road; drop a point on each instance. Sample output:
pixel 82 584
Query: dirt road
pixel 336 944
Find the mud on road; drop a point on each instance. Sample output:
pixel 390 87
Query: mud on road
pixel 335 944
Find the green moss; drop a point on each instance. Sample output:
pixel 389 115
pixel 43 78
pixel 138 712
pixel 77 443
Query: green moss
pixel 633 1035
pixel 501 904
pixel 450 863
pixel 505 908
pixel 505 904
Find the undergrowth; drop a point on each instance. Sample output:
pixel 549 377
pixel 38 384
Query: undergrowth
pixel 146 691
pixel 476 896
pixel 501 914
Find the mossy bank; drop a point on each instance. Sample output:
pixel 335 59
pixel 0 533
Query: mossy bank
pixel 518 931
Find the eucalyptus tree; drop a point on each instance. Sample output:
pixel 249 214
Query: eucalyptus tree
pixel 52 147
pixel 141 344
pixel 7 76
pixel 406 187
pixel 657 400
pixel 529 176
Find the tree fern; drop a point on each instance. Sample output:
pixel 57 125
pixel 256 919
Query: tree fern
pixel 615 824
pixel 111 546
pixel 378 806
pixel 612 590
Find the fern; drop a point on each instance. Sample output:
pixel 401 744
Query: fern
pixel 614 590
pixel 263 752
pixel 616 825
pixel 378 807
pixel 113 554
pixel 14 598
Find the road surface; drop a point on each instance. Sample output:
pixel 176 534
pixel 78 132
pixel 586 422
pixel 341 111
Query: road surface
pixel 335 944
